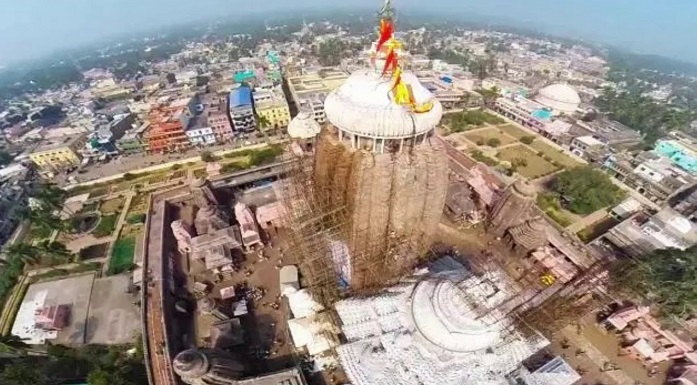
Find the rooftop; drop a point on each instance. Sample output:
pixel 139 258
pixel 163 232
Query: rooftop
pixel 58 142
pixel 241 97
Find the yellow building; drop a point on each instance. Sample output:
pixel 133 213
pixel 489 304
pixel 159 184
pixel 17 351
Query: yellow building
pixel 273 107
pixel 58 153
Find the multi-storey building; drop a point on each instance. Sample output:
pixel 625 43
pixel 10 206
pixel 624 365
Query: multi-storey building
pixel 271 105
pixel 218 121
pixel 167 131
pixel 58 153
pixel 311 88
pixel 199 133
pixel 132 141
pixel 241 110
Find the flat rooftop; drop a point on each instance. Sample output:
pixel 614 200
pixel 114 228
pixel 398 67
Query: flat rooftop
pixel 102 311
pixel 321 81
pixel 56 143
pixel 74 291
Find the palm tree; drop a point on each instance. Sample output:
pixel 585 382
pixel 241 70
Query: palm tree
pixel 489 95
pixel 25 252
pixel 51 196
pixel 43 219
pixel 57 252
pixel 263 122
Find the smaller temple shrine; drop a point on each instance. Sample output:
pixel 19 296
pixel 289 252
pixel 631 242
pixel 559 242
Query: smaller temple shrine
pixel 527 236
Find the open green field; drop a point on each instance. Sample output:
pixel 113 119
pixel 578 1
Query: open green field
pixel 481 137
pixel 106 226
pixel 536 167
pixel 515 131
pixel 122 257
pixel 554 154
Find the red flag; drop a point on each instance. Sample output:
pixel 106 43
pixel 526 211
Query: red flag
pixel 386 31
pixel 390 62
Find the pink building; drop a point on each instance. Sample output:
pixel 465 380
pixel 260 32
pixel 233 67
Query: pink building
pixel 645 339
pixel 219 122
pixel 250 233
pixel 53 317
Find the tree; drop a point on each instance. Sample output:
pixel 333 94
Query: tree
pixel 50 196
pixel 43 219
pixel 5 157
pixel 207 157
pixel 56 252
pixel 586 190
pixel 667 278
pixel 264 122
pixel 493 142
pixel 527 139
pixel 330 52
pixel 489 95
pixel 24 252
pixel 13 344
pixel 22 373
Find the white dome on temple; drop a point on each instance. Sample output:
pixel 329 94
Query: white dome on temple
pixel 363 106
pixel 560 97
pixel 444 317
pixel 303 126
pixel 444 329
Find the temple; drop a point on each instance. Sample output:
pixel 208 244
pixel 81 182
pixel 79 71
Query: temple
pixel 380 159
pixel 442 327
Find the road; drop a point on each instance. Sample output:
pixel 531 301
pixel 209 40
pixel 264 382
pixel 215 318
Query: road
pixel 141 162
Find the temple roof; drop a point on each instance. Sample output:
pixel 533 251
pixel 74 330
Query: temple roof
pixel 364 106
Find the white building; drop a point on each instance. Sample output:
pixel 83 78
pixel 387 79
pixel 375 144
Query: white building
pixel 444 328
pixel 559 97
pixel 581 145
pixel 201 136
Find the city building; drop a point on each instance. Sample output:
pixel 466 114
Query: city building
pixel 587 147
pixel 641 234
pixel 680 152
pixel 241 110
pixel 271 105
pixel 311 88
pixel 132 141
pixel 645 340
pixel 651 175
pixel 198 133
pixel 218 120
pixel 58 153
pixel 611 133
pixel 168 125
pixel 523 111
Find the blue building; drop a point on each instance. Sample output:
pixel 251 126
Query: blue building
pixel 681 156
pixel 242 110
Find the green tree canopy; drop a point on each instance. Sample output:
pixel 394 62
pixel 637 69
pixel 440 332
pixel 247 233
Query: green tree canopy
pixel 667 278
pixel 331 52
pixel 586 189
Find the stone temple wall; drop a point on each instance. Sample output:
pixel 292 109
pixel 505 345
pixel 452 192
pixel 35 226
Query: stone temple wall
pixel 394 201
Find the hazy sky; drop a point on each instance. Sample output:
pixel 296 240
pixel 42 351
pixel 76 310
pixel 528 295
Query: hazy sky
pixel 31 28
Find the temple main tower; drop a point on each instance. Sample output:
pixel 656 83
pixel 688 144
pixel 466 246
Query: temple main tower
pixel 379 157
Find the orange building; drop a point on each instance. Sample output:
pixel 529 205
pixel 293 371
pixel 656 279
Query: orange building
pixel 167 132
